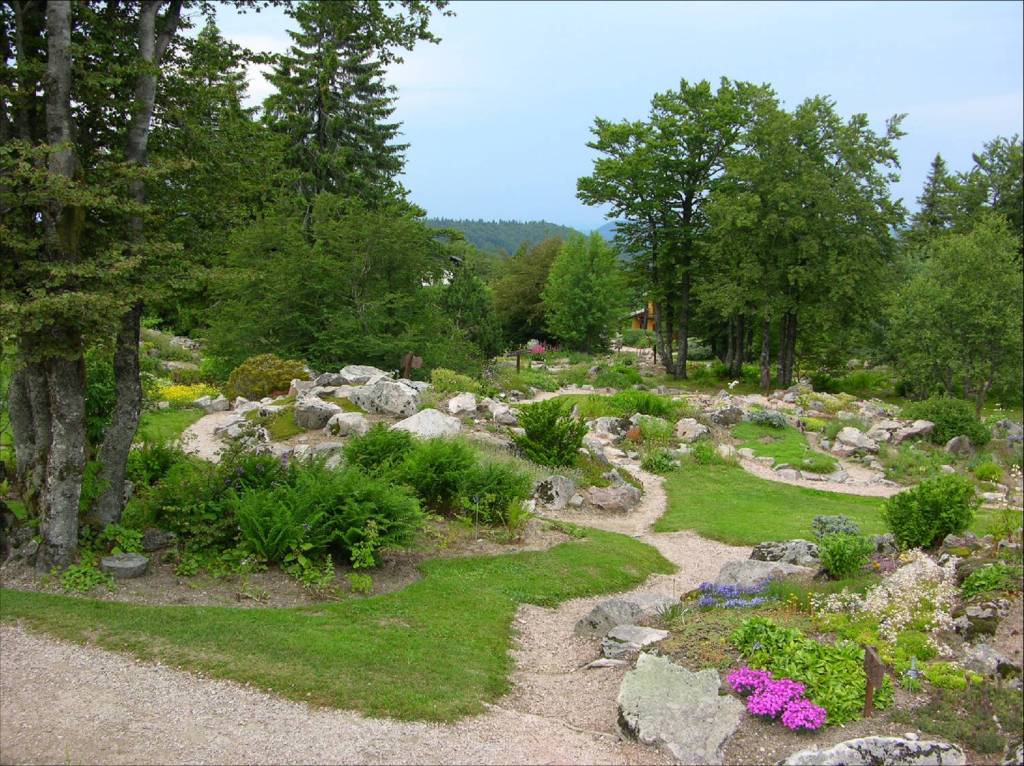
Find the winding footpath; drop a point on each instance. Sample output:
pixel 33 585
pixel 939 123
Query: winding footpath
pixel 60 702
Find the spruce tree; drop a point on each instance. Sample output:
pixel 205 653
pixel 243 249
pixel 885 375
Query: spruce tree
pixel 332 103
pixel 938 203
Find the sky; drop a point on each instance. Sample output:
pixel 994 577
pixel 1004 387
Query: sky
pixel 499 113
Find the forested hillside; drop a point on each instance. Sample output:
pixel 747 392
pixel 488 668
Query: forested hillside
pixel 502 235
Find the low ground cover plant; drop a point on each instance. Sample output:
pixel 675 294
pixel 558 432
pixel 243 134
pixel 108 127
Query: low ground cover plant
pixel 997 577
pixel 922 516
pixel 783 443
pixel 952 417
pixel 732 596
pixel 184 395
pixel 451 382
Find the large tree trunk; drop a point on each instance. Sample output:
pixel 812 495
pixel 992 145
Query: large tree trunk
pixel 29 409
pixel 684 326
pixel 664 346
pixel 737 340
pixel 117 438
pixel 58 519
pixel 787 350
pixel 730 348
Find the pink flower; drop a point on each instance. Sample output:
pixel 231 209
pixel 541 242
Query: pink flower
pixel 803 714
pixel 748 680
pixel 771 700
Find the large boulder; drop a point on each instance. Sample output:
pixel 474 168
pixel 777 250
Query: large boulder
pixel 689 430
pixel 960 445
pixel 359 374
pixel 621 497
pixel 330 379
pixel 875 751
pixel 677 711
pixel 623 610
pixel 856 440
pixel 554 492
pixel 348 424
pixel 611 428
pixel 627 640
pixel 312 413
pixel 387 397
pixel 748 573
pixel 727 416
pixel 429 424
pixel 462 404
pixel 802 553
pixel 916 430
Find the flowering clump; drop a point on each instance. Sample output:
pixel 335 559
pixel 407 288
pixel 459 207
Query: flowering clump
pixel 920 592
pixel 731 596
pixel 770 698
pixel 183 396
pixel 538 349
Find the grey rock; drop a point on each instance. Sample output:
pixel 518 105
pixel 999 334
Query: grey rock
pixel 747 453
pixel 886 544
pixel 857 440
pixel 419 385
pixel 727 416
pixel 388 397
pixel 1014 756
pixel 576 501
pixel 983 659
pixel 125 566
pixel 726 451
pixel 347 424
pixel 220 404
pixel 959 445
pixel 330 379
pixel 504 415
pixel 623 610
pixel 916 430
pixel 169 366
pixel 154 539
pixel 802 553
pixel 554 492
pixel 312 413
pixel 202 402
pixel 615 428
pixel 627 640
pixel 429 424
pixel 299 386
pixel 689 430
pixel 879 434
pixel 359 374
pixel 677 711
pixel 462 404
pixel 619 498
pixel 750 572
pixel 876 751
pixel 789 474
pixel 1008 429
pixel 947 469
pixel 604 662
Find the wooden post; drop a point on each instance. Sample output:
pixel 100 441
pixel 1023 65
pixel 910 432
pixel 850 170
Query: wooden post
pixel 517 360
pixel 874 669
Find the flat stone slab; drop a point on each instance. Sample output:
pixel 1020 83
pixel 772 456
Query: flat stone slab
pixel 624 610
pixel 876 751
pixel 677 711
pixel 625 640
pixel 750 572
pixel 125 566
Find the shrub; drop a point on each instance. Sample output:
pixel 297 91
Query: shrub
pixel 490 489
pixel 769 418
pixel 843 554
pixel 450 382
pixel 379 450
pixel 705 452
pixel 274 523
pixel 832 674
pixel 190 501
pixel 553 437
pixel 261 375
pixel 952 417
pixel 658 461
pixel 814 424
pixel 619 376
pixel 637 338
pixel 151 462
pixel 988 471
pixel 834 525
pixel 435 469
pixel 182 395
pixel 923 515
pixel 655 431
pixel 627 403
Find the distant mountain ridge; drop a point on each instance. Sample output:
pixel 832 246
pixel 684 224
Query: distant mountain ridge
pixel 498 236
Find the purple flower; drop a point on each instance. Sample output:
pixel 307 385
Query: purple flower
pixel 747 680
pixel 774 697
pixel 803 714
pixel 706 601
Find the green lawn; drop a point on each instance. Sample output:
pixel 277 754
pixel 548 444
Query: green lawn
pixel 160 426
pixel 784 445
pixel 728 504
pixel 436 650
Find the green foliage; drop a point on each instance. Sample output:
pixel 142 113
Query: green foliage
pixel 83 577
pixel 976 716
pixel 988 471
pixel 997 577
pixel 262 375
pixel 823 526
pixel 833 673
pixel 835 425
pixel 435 469
pixel 637 338
pixel 910 463
pixel 360 582
pixel 100 393
pixel 280 425
pixel 450 382
pixel 843 555
pixel 784 444
pixel 946 675
pixel 956 323
pixel 468 302
pixel 923 515
pixel 115 538
pixel 584 297
pixel 952 417
pixel 274 523
pixel 314 573
pixel 379 450
pixel 490 492
pixel 658 461
pixel 624 404
pixel 769 418
pixel 151 462
pixel 517 295
pixel 553 437
pixel 159 426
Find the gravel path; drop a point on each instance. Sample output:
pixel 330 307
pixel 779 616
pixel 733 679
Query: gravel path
pixel 861 481
pixel 60 702
pixel 199 439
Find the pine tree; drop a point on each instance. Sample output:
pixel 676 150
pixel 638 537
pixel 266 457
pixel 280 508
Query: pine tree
pixel 938 203
pixel 332 103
